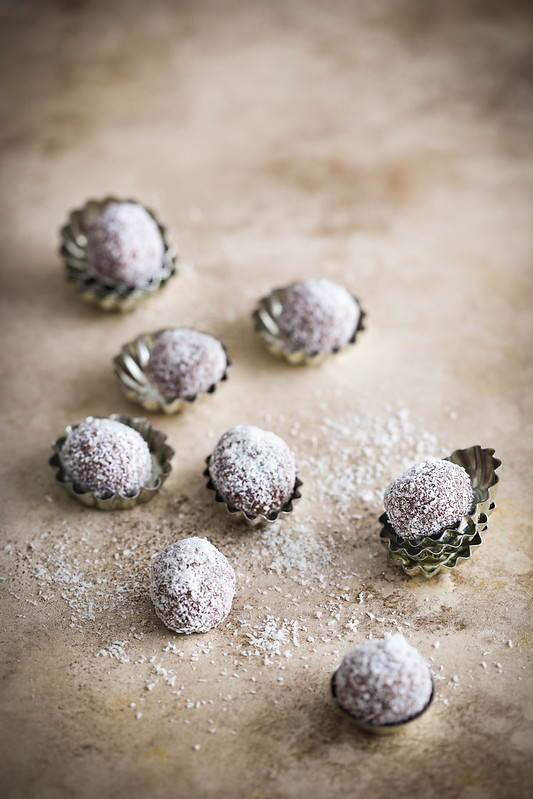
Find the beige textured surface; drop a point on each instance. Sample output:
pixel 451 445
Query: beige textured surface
pixel 387 146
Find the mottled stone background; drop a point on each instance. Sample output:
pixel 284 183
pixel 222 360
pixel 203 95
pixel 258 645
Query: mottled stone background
pixel 387 146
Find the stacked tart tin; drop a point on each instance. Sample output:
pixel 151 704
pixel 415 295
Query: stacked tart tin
pixel 431 554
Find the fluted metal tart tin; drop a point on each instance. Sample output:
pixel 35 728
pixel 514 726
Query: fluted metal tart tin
pixel 381 729
pixel 260 518
pixel 128 370
pixel 161 454
pixel 265 320
pixel 90 288
pixel 429 555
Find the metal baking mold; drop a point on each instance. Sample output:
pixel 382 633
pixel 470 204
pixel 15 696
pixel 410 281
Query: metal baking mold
pixel 160 452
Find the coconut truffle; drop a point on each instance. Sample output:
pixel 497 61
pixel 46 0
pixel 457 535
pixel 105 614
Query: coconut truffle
pixel 253 470
pixel 383 682
pixel 192 586
pixel 184 363
pixel 317 316
pixel 124 245
pixel 428 497
pixel 107 457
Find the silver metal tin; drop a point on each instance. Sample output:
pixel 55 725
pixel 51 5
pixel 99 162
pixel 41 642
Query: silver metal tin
pixel 265 319
pixel 444 550
pixel 129 371
pixel 381 729
pixel 160 452
pixel 260 518
pixel 89 287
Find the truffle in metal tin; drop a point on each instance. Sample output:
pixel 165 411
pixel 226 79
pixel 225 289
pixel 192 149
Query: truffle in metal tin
pixel 192 586
pixel 112 294
pixel 253 474
pixel 444 550
pixel 383 685
pixel 311 337
pixel 136 379
pixel 160 457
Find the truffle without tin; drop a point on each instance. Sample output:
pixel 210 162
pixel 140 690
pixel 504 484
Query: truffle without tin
pixel 383 682
pixel 124 245
pixel 107 457
pixel 184 363
pixel 428 497
pixel 317 316
pixel 192 586
pixel 253 470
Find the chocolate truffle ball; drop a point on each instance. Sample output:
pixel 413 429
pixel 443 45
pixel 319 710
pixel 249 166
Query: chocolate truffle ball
pixel 383 681
pixel 124 245
pixel 192 586
pixel 427 498
pixel 317 316
pixel 253 470
pixel 107 457
pixel 185 363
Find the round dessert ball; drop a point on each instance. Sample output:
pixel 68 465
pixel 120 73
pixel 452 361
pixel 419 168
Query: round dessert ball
pixel 124 245
pixel 184 363
pixel 107 457
pixel 317 316
pixel 383 681
pixel 428 497
pixel 253 470
pixel 192 586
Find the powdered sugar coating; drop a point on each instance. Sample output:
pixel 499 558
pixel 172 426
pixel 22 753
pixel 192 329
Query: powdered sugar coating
pixel 253 470
pixel 107 457
pixel 383 681
pixel 428 497
pixel 317 316
pixel 184 363
pixel 124 245
pixel 192 586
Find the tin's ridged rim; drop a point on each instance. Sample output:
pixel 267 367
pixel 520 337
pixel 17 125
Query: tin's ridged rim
pixel 381 729
pixel 260 518
pixel 431 554
pixel 161 454
pixel 89 287
pixel 129 371
pixel 265 319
